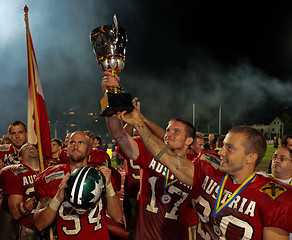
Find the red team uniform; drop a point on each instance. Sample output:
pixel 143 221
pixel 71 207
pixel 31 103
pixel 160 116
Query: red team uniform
pixel 131 190
pixel 132 178
pixel 18 179
pixel 262 203
pixel 162 212
pixel 71 225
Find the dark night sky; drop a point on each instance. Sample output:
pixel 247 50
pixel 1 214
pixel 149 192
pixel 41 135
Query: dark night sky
pixel 237 54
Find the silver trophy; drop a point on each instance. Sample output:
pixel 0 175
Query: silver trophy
pixel 109 45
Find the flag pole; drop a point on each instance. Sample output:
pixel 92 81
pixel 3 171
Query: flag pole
pixel 30 65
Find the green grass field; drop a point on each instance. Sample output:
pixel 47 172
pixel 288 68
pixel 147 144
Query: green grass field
pixel 263 166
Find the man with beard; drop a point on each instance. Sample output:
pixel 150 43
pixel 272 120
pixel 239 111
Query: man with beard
pixel 71 223
pixel 232 201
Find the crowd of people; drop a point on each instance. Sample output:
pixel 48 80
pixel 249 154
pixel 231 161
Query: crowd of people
pixel 176 186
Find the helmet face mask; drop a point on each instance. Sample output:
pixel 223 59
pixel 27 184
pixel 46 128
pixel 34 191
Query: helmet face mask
pixel 84 188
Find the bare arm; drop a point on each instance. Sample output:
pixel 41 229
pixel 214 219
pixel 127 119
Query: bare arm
pixel 114 205
pixel 271 233
pixel 44 215
pixel 127 144
pixel 115 126
pixel 47 209
pixel 19 208
pixel 182 168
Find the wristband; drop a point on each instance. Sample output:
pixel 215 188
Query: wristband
pixel 110 190
pixel 22 209
pixel 54 204
pixel 163 150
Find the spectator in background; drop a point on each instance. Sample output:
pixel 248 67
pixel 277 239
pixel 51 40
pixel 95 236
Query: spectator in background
pixel 197 147
pixel 56 145
pixel 282 165
pixel 211 145
pixel 287 141
pixel 105 145
pixel 276 143
pixel 97 143
pixel 113 149
pixel 219 143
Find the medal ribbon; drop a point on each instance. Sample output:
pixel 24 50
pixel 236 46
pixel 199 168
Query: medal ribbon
pixel 166 183
pixel 217 209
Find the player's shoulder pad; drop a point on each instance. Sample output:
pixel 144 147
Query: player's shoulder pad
pixel 273 188
pixel 53 172
pixel 18 169
pixel 211 157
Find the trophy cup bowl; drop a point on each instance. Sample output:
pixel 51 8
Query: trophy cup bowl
pixel 109 46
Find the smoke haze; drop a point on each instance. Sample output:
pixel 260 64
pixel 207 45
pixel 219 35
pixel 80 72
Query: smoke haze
pixel 208 54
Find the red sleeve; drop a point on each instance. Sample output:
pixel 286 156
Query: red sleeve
pixel 40 186
pixel 116 179
pixel 143 153
pixel 63 156
pixel 12 184
pixel 278 213
pixel 46 183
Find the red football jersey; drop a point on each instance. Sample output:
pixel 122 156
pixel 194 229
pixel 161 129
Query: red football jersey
pixel 262 203
pixel 132 178
pixel 71 225
pixel 18 179
pixel 162 211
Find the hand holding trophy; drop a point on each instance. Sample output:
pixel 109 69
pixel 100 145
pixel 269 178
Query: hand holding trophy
pixel 109 46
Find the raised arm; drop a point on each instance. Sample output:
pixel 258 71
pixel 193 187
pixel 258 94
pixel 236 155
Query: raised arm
pixel 182 168
pixel 127 144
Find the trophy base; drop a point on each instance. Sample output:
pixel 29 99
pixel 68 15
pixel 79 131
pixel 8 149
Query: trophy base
pixel 112 103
